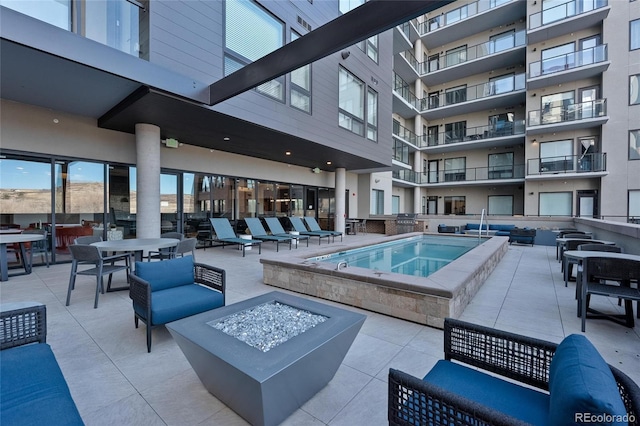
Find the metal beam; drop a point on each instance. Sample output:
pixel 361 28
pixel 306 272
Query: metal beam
pixel 369 19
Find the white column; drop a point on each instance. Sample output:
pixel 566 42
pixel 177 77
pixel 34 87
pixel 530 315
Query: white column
pixel 417 166
pixel 148 181
pixel 341 186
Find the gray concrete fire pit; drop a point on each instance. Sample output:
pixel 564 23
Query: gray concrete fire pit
pixel 266 378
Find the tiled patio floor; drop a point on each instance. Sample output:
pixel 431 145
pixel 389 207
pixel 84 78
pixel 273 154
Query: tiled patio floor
pixel 115 381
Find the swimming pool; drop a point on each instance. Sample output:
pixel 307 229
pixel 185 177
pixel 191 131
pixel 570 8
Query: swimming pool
pixel 425 300
pixel 419 256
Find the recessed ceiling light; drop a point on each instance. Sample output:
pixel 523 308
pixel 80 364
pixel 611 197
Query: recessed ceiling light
pixel 287 153
pixel 328 163
pixel 226 138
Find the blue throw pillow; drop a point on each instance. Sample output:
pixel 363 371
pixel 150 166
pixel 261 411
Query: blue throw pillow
pixel 167 273
pixel 581 386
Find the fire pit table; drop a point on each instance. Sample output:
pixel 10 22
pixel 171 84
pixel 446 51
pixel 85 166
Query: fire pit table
pixel 266 356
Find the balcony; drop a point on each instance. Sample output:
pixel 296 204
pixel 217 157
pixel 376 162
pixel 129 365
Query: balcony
pixel 498 93
pixel 401 153
pixel 403 37
pixel 568 166
pixel 404 101
pixel 402 133
pixel 584 115
pixel 484 57
pixel 473 18
pixel 473 176
pixel 566 18
pixel 501 134
pixel 406 66
pixel 574 66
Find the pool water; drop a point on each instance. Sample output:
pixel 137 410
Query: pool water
pixel 419 256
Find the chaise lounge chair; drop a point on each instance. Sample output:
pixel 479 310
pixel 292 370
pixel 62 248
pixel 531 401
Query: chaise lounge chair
pixel 313 226
pixel 259 233
pixel 298 226
pixel 277 230
pixel 226 235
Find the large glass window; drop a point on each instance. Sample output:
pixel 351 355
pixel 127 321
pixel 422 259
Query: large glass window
pixel 351 102
pixel 169 203
pixel 455 132
pixel 634 206
pixel 54 12
pixel 501 84
pixel 634 145
pixel 500 42
pixel 370 47
pixel 558 58
pixel 300 92
pixel 372 115
pixel 556 156
pixel 377 201
pixel 347 5
pixel 455 205
pixel 455 169
pixel 395 204
pixel 122 199
pixel 455 95
pixel 634 34
pixel 25 192
pixel 456 56
pixel 634 90
pixel 501 204
pixel 456 15
pixel 558 107
pixel 251 33
pixel 555 204
pixel 501 165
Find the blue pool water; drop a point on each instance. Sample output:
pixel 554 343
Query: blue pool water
pixel 419 256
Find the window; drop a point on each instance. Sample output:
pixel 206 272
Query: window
pixel 300 92
pixel 351 102
pixel 370 47
pixel 377 201
pixel 372 115
pixel 456 56
pixel 501 84
pixel 454 205
pixel 634 90
pixel 558 58
pixel 454 169
pixel 456 14
pixel 433 100
pixel 455 132
pixel 432 135
pixel 634 206
pixel 500 42
pixel 395 204
pixel 558 107
pixel 555 204
pixel 501 166
pixel 251 33
pixel 501 204
pixel 455 95
pixel 556 156
pixel 347 5
pixel 634 34
pixel 432 205
pixel 500 125
pixel 54 12
pixel 424 166
pixel 634 145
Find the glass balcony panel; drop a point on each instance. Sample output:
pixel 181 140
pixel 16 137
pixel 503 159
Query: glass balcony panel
pixel 572 112
pixel 595 162
pixel 113 23
pixel 54 12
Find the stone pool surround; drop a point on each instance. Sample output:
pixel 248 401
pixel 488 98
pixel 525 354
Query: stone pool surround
pixel 427 301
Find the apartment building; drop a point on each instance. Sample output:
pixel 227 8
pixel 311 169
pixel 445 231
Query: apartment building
pixel 107 116
pixel 518 108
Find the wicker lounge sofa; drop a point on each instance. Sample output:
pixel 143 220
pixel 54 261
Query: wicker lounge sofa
pixel 522 236
pixel 564 383
pixel 33 390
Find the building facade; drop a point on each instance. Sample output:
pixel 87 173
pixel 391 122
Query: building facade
pixel 106 120
pixel 518 108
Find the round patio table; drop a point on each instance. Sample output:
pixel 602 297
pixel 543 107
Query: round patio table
pixel 21 239
pixel 137 245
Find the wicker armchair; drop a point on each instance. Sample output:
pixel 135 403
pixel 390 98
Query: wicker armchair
pixel 526 360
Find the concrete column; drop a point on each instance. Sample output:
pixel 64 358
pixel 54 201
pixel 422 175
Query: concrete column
pixel 341 186
pixel 417 200
pixel 148 180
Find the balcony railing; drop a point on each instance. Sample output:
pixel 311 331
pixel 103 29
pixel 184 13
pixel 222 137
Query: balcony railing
pixel 475 133
pixel 581 111
pixel 471 53
pixel 400 152
pixel 590 56
pixel 404 90
pixel 412 60
pixel 472 93
pixel 458 14
pixel 405 134
pixel 462 175
pixel 564 11
pixel 596 162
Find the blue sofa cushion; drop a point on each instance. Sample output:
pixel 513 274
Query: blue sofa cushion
pixel 179 302
pixel 34 391
pixel 507 397
pixel 500 227
pixel 580 381
pixel 168 273
pixel 473 226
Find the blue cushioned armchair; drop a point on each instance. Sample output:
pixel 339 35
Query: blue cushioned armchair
pixel 177 288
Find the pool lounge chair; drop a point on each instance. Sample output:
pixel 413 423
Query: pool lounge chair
pixel 259 233
pixel 313 226
pixel 226 235
pixel 298 226
pixel 277 230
